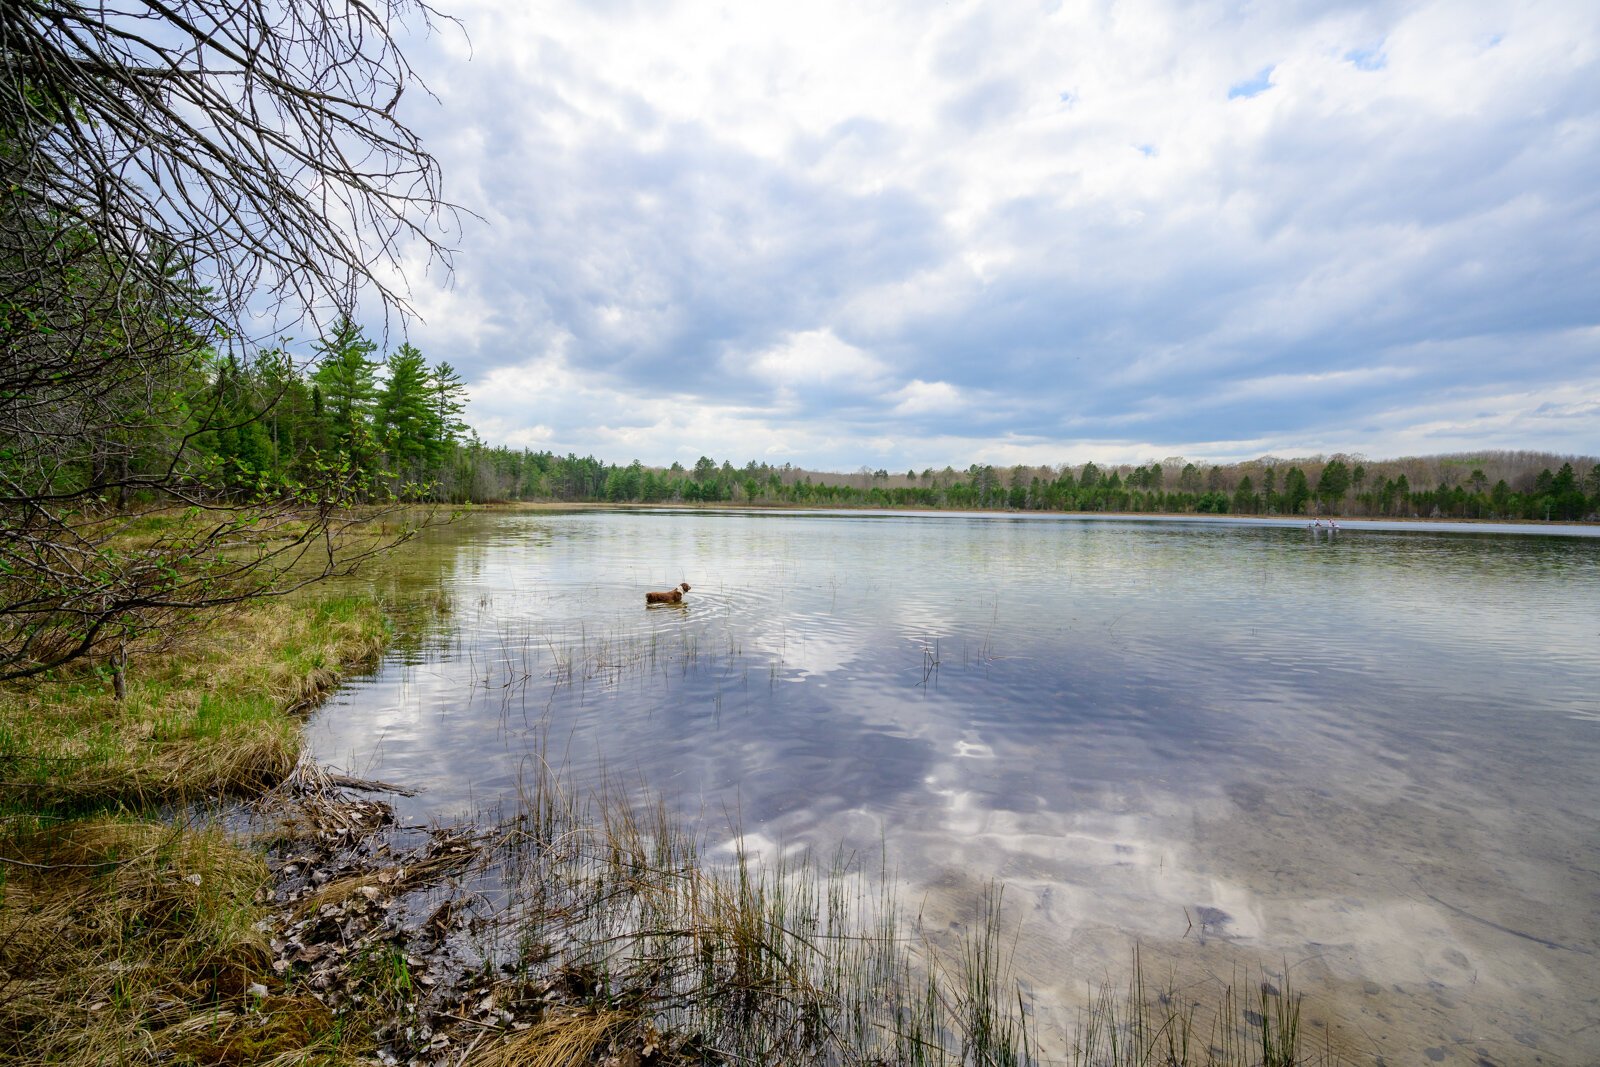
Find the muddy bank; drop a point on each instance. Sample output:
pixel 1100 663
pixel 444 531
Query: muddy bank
pixel 367 921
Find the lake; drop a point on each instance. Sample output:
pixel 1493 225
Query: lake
pixel 1370 755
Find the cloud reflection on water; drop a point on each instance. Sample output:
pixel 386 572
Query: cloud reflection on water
pixel 1328 742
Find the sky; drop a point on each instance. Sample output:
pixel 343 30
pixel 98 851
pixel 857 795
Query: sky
pixel 904 235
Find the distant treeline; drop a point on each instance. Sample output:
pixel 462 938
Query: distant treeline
pixel 1489 485
pixel 396 424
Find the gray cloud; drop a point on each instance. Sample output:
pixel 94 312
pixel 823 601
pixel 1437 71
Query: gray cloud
pixel 1361 243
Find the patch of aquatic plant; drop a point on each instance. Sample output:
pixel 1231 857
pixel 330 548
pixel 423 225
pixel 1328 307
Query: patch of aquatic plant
pixel 737 958
pixel 634 942
pixel 522 660
pixel 1249 1022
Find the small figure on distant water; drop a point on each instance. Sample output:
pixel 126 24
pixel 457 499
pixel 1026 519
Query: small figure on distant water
pixel 671 596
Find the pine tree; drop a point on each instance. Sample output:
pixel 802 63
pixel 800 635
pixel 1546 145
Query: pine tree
pixel 347 377
pixel 404 420
pixel 448 393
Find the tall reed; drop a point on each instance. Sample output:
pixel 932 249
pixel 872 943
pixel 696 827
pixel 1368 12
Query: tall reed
pixel 617 916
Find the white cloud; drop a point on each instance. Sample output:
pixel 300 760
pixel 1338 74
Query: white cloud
pixel 816 358
pixel 831 228
pixel 921 398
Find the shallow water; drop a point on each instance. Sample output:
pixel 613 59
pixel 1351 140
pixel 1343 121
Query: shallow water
pixel 1371 755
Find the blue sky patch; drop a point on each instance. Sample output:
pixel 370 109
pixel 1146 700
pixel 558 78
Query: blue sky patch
pixel 1368 58
pixel 1254 86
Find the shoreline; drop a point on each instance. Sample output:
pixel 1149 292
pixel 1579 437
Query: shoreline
pixel 321 926
pixel 1168 516
pixel 384 883
pixel 318 927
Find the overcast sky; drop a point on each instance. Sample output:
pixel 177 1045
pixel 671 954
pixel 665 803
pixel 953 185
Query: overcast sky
pixel 912 234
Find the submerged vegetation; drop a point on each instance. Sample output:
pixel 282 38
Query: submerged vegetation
pixel 670 956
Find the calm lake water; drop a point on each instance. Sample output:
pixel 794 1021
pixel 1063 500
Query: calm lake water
pixel 1370 755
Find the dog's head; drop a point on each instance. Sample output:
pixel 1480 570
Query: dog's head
pixel 684 587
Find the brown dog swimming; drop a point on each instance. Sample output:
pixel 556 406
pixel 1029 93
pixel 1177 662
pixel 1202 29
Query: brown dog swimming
pixel 671 596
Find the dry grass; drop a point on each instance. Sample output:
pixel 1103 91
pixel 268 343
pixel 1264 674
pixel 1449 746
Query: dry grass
pixel 129 938
pixel 114 934
pixel 561 1039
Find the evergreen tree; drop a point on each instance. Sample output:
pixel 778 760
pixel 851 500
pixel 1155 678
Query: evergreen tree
pixel 449 401
pixel 1244 497
pixel 242 453
pixel 1334 483
pixel 404 420
pixel 346 375
pixel 1296 491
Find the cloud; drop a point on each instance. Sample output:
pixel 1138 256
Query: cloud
pixel 918 397
pixel 817 358
pixel 908 236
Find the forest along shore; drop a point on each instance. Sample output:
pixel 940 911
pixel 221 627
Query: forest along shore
pixel 1173 516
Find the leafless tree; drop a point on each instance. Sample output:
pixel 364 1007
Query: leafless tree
pixel 253 141
pixel 170 172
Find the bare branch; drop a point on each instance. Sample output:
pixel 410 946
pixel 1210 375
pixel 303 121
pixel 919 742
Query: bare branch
pixel 168 168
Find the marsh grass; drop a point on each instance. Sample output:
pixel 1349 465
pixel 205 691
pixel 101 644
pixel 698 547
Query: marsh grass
pixel 523 660
pixel 127 940
pixel 202 721
pixel 1246 1022
pixel 126 935
pixel 766 962
pixel 637 932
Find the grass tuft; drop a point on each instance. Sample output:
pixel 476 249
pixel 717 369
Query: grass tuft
pixel 204 721
pixel 561 1039
pixel 126 937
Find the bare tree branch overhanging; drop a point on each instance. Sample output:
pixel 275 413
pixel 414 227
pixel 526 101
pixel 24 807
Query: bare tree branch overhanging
pixel 170 170
pixel 254 142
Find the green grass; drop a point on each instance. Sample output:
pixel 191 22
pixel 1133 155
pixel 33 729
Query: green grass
pixel 126 937
pixel 203 721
